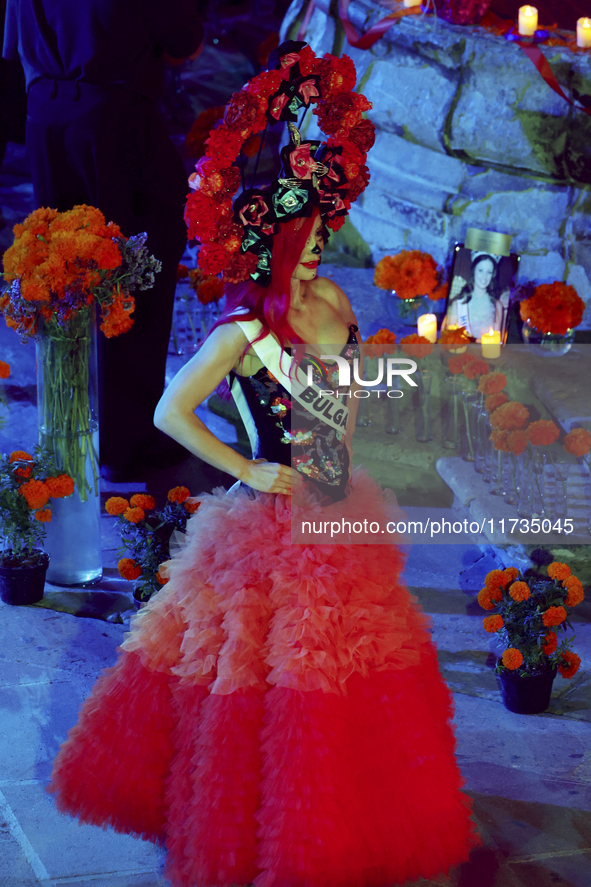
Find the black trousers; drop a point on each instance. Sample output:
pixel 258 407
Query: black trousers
pixel 108 148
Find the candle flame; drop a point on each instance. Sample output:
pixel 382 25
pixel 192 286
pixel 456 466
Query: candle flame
pixel 586 22
pixel 491 331
pixel 530 10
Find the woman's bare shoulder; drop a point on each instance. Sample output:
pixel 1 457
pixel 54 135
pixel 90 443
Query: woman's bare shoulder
pixel 327 289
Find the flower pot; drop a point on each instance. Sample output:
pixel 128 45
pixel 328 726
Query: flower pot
pixel 547 344
pixel 23 583
pixel 527 695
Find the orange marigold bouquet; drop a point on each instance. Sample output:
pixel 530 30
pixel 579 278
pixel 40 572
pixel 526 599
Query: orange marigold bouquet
pixel 578 443
pixel 60 267
pixel 380 343
pixel 409 274
pixel 529 615
pixel 27 485
pixel 553 308
pixel 145 535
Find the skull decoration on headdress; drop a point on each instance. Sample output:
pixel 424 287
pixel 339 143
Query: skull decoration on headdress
pixel 238 239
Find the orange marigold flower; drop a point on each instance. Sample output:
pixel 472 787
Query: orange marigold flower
pixel 575 594
pixel 511 573
pixel 493 623
pixel 4 369
pixel 129 569
pixel 509 416
pixel 496 579
pixel 542 433
pixel 578 442
pixel 485 600
pixel 569 664
pixel 36 494
pixel 134 515
pixel 142 500
pixel 20 456
pixel 517 442
pixel 553 308
pixel 492 401
pixel 116 505
pixel 450 339
pixel 476 368
pixel 60 487
pixel 519 591
pixel 182 272
pixel 211 289
pixel 191 507
pixel 416 346
pixel 512 658
pixel 411 273
pixel 178 494
pixel 549 643
pixel 43 515
pixel 493 383
pixel 558 571
pixel 554 616
pixel 161 578
pixel 499 439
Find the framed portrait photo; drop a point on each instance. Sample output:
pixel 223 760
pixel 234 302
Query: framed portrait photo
pixel 482 283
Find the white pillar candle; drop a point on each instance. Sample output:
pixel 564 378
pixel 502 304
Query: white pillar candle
pixel 427 327
pixel 491 344
pixel 584 32
pixel 528 21
pixel 409 3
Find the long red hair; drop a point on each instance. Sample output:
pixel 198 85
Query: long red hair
pixel 270 305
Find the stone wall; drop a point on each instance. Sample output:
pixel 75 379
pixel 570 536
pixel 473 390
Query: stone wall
pixel 468 135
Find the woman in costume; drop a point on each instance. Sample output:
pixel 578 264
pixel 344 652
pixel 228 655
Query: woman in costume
pixel 276 716
pixel 478 306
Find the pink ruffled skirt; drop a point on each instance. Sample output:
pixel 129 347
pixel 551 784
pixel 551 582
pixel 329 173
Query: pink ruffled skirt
pixel 276 715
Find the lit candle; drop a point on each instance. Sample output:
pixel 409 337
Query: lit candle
pixel 584 32
pixel 491 344
pixel 427 327
pixel 409 3
pixel 528 21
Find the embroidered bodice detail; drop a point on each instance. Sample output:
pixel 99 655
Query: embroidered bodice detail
pixel 291 435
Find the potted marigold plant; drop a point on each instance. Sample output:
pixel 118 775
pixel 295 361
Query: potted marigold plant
pixel 60 268
pixel 145 536
pixel 549 317
pixel 27 486
pixel 529 615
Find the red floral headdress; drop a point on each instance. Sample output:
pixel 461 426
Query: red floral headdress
pixel 238 239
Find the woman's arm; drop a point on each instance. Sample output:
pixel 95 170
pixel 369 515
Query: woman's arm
pixel 175 413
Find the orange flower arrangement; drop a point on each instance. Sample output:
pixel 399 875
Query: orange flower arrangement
pixel 509 416
pixel 145 534
pixel 210 289
pixel 416 346
pixel 553 308
pixel 409 274
pixel 542 433
pixel 27 484
pixel 499 439
pixel 475 368
pixel 569 664
pixel 578 442
pixel 525 607
pixel 517 442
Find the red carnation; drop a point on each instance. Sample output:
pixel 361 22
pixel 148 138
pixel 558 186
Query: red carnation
pixel 213 258
pixel 240 267
pixel 363 135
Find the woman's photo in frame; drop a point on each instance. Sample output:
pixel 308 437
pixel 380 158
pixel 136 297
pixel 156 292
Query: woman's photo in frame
pixel 483 275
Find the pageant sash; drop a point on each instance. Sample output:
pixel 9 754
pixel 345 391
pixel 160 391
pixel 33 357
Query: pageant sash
pixel 328 409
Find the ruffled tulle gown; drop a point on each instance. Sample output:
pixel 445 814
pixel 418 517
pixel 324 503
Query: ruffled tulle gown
pixel 276 715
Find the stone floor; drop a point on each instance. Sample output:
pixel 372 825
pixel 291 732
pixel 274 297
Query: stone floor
pixel 529 776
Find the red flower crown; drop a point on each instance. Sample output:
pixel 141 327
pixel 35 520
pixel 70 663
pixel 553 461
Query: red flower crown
pixel 237 240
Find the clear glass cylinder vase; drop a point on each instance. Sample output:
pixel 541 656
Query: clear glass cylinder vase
pixel 423 423
pixel 67 405
pixel 468 440
pixel 452 425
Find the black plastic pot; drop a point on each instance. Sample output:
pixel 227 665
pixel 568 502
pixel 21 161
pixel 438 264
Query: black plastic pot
pixel 23 583
pixel 528 695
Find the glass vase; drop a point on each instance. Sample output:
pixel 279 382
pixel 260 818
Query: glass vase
pixel 67 405
pixel 393 415
pixel 408 309
pixel 512 494
pixel 547 344
pixel 468 451
pixel 500 472
pixel 423 424
pixel 452 426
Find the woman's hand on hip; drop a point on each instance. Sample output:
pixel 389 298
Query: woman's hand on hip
pixel 270 477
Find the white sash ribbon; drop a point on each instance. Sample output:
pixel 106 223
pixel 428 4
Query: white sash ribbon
pixel 318 403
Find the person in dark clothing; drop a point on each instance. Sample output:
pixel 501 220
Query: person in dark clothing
pixel 94 73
